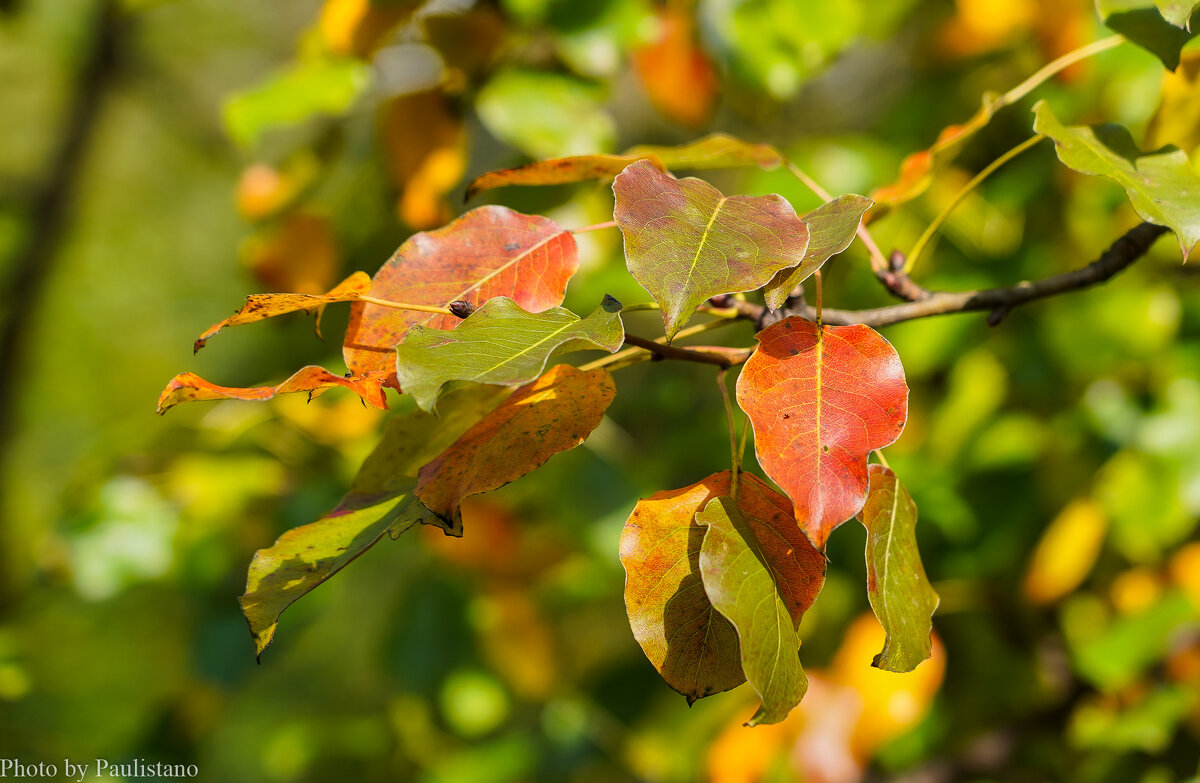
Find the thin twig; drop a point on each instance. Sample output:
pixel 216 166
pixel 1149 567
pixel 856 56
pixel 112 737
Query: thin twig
pixel 966 190
pixel 1129 248
pixel 637 354
pixel 878 262
pixel 683 354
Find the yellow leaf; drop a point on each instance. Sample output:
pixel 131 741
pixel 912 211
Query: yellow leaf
pixel 1135 589
pixel 1066 552
pixel 1177 118
pixel 1185 571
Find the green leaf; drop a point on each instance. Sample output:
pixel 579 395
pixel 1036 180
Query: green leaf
pixel 1177 12
pixel 380 498
pixel 897 587
pixel 1162 185
pixel 502 344
pixel 686 242
pixel 545 114
pixel 1147 24
pixel 742 588
pixel 831 229
pixel 323 86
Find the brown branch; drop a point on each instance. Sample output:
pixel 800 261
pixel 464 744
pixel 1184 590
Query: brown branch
pixel 688 354
pixel 999 301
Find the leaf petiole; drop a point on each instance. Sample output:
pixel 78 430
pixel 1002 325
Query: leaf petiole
pixel 988 170
pixel 403 306
pixel 878 262
pixel 735 456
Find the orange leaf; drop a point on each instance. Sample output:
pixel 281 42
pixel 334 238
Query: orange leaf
pixel 554 413
pixel 188 387
pixel 693 647
pixel 490 251
pixel 259 307
pixel 820 400
pixel 678 76
pixel 916 170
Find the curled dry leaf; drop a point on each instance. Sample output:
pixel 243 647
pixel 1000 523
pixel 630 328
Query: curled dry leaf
pixel 821 399
pixel 692 645
pixel 488 252
pixel 686 242
pixel 259 307
pixel 189 387
pixel 554 413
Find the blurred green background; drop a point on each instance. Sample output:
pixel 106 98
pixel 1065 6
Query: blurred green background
pixel 161 159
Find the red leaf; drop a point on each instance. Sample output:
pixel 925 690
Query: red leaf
pixel 554 413
pixel 490 251
pixel 821 399
pixel 188 387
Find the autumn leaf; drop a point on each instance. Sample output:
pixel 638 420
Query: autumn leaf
pixel 500 343
pixel 355 27
pixel 715 151
pixel 677 75
pixel 692 646
pixel 820 400
pixel 1152 25
pixel 262 306
pixel 917 169
pixel 1162 185
pixel 189 387
pixel 380 498
pixel 897 587
pixel 831 229
pixel 742 587
pixel 554 413
pixel 490 251
pixel 686 242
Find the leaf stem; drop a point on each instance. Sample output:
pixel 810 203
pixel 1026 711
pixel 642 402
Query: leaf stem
pixel 595 227
pixel 735 460
pixel 402 306
pixel 636 354
pixel 878 262
pixel 1060 64
pixel 820 294
pixel 988 170
pixel 882 459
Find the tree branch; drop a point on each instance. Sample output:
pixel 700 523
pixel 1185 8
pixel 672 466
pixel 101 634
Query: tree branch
pixel 1129 248
pixel 722 359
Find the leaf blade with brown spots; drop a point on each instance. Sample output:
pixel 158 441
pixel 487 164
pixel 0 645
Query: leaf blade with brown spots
pixel 488 252
pixel 820 400
pixel 259 307
pixel 189 387
pixel 554 413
